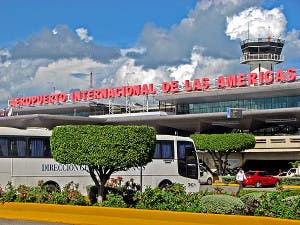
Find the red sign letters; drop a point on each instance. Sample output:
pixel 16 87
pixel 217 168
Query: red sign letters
pixel 229 81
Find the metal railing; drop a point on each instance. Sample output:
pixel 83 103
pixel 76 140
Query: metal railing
pixel 262 57
pixel 269 39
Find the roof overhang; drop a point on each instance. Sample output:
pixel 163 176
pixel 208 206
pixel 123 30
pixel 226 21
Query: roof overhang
pixel 252 119
pixel 57 109
pixel 46 121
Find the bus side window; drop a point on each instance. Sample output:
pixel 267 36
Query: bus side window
pixel 36 147
pixel 4 145
pixel 182 145
pixel 47 150
pixel 18 147
pixel 164 150
pixel 13 148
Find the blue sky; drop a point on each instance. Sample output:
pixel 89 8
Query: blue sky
pixel 59 42
pixel 113 22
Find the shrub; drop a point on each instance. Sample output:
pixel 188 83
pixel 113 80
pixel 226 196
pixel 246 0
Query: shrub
pixel 294 203
pixel 222 204
pixel 172 197
pixel 69 195
pixel 37 194
pixel 273 205
pixel 9 194
pixel 290 180
pixel 115 186
pixel 113 200
pixel 228 179
pixel 252 201
pixel 291 200
pixel 192 201
pixel 286 193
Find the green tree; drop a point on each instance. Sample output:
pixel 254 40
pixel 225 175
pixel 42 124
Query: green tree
pixel 295 164
pixel 220 146
pixel 104 149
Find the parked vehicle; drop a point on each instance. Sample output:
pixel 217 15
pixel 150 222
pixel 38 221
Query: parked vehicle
pixel 206 176
pixel 293 172
pixel 290 173
pixel 260 178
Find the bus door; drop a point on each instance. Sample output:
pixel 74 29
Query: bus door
pixel 188 165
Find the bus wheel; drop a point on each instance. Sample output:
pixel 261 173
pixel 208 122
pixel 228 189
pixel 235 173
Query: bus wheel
pixel 51 186
pixel 164 183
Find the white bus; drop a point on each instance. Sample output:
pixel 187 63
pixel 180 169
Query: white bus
pixel 25 158
pixel 174 161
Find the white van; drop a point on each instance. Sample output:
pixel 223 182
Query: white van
pixel 293 172
pixel 206 176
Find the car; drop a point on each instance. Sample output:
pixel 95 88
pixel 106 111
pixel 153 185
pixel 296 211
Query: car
pixel 260 179
pixel 293 172
pixel 206 176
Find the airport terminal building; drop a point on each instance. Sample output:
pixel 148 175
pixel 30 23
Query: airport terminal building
pixel 264 102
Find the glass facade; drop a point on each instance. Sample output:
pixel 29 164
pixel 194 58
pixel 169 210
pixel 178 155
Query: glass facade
pixel 247 104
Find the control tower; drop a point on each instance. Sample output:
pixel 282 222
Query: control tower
pixel 262 53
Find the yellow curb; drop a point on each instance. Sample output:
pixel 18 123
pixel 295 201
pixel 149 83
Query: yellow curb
pixel 92 215
pixel 291 187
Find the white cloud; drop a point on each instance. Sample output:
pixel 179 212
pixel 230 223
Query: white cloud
pixel 262 23
pixel 292 48
pixel 17 76
pixel 5 53
pixel 204 27
pixel 26 77
pixel 198 66
pixel 54 32
pixel 59 74
pixel 83 34
pixel 62 43
pixel 140 51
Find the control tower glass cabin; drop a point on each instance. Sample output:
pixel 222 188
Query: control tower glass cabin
pixel 262 53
